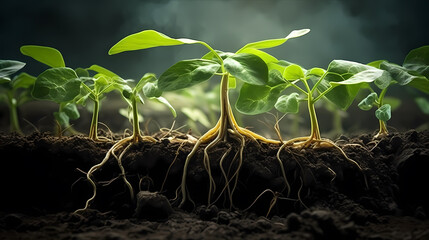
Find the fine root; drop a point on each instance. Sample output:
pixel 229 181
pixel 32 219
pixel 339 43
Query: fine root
pixel 122 147
pixel 313 142
pixel 276 196
pixel 226 128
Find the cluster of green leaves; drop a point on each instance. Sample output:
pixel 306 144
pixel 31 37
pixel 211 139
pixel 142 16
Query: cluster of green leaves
pixel 16 91
pixel 339 83
pixel 247 64
pixel 68 87
pixel 414 72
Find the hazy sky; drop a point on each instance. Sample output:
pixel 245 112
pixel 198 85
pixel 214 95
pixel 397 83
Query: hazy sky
pixel 84 30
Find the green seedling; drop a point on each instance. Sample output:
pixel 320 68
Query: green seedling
pixel 147 86
pixel 16 91
pixel 339 84
pixel 62 91
pixel 69 87
pixel 414 72
pixel 247 64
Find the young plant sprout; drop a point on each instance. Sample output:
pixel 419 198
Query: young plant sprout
pixel 58 84
pixel 148 86
pixel 340 84
pixel 414 72
pixel 247 64
pixel 69 87
pixel 15 91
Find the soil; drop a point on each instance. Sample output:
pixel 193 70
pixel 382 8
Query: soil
pixel 43 181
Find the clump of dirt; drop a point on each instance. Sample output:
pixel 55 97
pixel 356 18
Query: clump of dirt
pixel 43 181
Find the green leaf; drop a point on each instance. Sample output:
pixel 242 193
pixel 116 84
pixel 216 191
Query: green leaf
pixel 366 76
pixel 23 80
pixel 47 55
pixel 275 78
pixel 147 39
pixel 187 73
pixel 167 104
pixel 248 68
pixel 146 78
pixel 151 90
pixel 368 102
pixel 62 118
pixel 418 60
pixel 288 103
pixel 315 72
pixel 102 70
pixel 347 78
pixel 9 67
pixel 263 55
pixel 82 72
pixel 384 112
pixel 254 99
pixel 376 64
pixel 423 104
pixel 293 72
pixel 347 68
pixel 270 43
pixel 71 110
pixel 57 84
pixel 398 73
pixel 421 84
pixel 211 56
pixel 4 80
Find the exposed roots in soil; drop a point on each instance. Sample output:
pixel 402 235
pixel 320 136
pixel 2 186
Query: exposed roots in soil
pixel 225 129
pixel 121 147
pixel 315 141
pixel 276 196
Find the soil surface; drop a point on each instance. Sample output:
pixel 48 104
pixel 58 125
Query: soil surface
pixel 43 181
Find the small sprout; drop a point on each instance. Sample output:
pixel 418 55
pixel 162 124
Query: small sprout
pixel 14 92
pixel 414 72
pixel 54 59
pixel 383 113
pixel 146 86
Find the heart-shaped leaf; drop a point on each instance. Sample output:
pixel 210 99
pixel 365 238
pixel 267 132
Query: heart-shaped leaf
pixel 418 60
pixel 187 73
pixel 254 99
pixel 57 84
pixel 368 102
pixel 248 68
pixel 288 103
pixel 384 112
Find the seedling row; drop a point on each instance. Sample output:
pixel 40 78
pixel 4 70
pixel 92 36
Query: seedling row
pixel 264 83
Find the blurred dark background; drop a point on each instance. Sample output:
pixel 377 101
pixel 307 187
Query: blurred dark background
pixel 83 31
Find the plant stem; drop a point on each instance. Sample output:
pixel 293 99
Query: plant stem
pixel 94 122
pixel 315 132
pixel 14 122
pixel 136 127
pixel 383 128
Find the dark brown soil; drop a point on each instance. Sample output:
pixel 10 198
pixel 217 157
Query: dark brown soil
pixel 43 181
